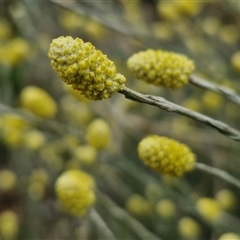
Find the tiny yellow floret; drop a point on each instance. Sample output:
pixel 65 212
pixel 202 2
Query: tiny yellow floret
pixel 161 68
pixel 86 69
pixel 165 155
pixel 38 102
pixel 75 190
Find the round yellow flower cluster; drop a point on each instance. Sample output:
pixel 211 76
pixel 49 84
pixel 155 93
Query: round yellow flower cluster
pixel 161 68
pixel 38 102
pixel 88 70
pixel 165 155
pixel 75 190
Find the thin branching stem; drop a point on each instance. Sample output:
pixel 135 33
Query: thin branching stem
pixel 219 173
pixel 101 224
pixel 125 217
pixel 224 91
pixel 171 107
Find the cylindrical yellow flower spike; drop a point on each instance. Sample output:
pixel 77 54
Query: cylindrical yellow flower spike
pixel 98 134
pixel 38 101
pixel 88 70
pixel 75 190
pixel 165 155
pixel 161 68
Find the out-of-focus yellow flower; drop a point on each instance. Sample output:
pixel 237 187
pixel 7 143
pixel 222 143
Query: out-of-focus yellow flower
pixel 14 51
pixel 37 183
pixel 191 103
pixel 175 10
pixel 8 180
pixel 212 101
pixel 138 206
pixel 165 208
pixel 165 155
pixel 12 128
pixel 88 70
pixel 86 154
pixel 229 33
pixel 229 236
pixel 38 101
pixel 9 227
pixel 98 134
pixel 162 30
pixel 210 209
pixel 153 192
pixel 235 61
pixel 33 139
pixel 189 228
pixel 77 113
pixel 75 190
pixel 161 68
pixel 211 25
pixel 226 199
pixel 36 190
pixel 5 29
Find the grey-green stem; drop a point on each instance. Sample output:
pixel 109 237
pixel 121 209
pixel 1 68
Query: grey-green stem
pixel 171 107
pixel 224 91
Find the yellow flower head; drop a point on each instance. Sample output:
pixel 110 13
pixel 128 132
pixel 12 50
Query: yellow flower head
pixel 161 68
pixel 165 155
pixel 75 190
pixel 88 70
pixel 38 101
pixel 98 134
